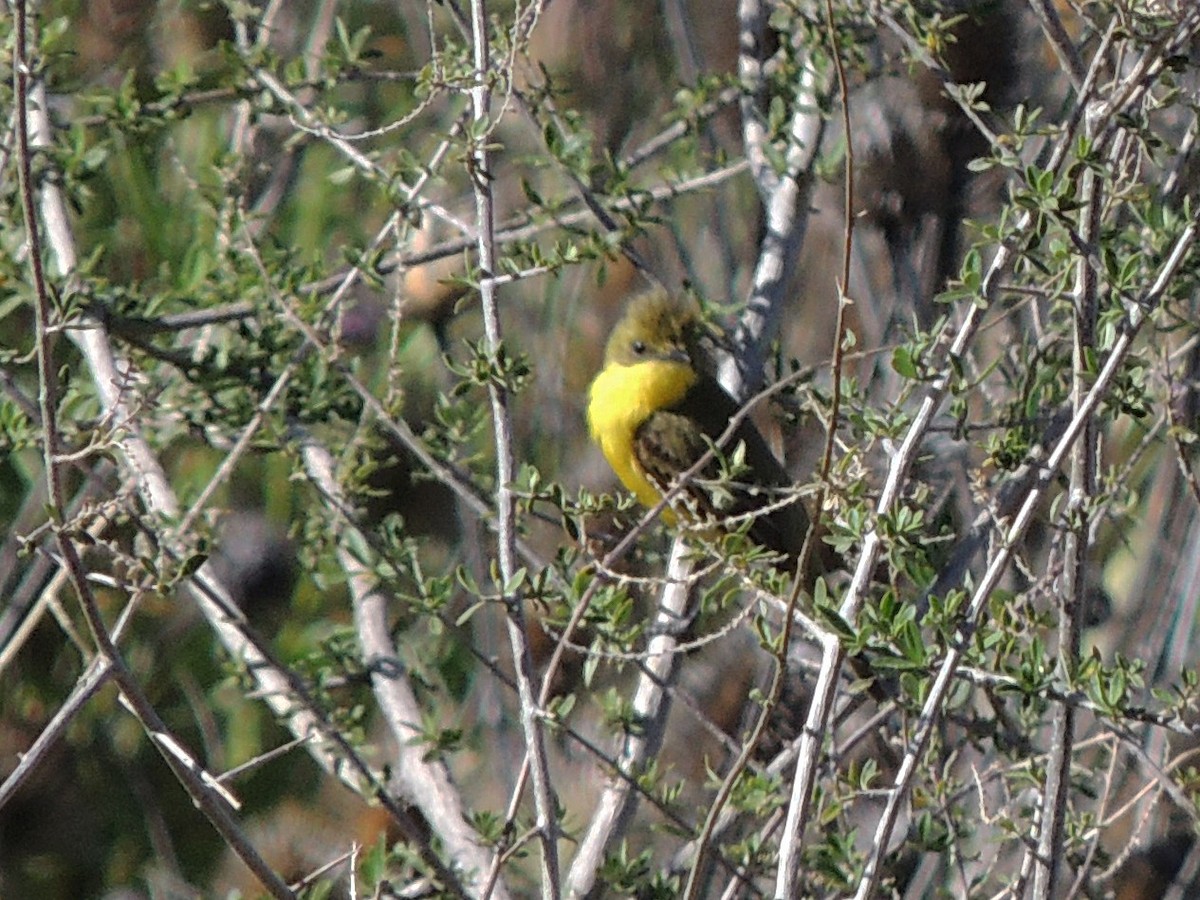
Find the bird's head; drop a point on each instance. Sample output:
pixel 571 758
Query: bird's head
pixel 656 327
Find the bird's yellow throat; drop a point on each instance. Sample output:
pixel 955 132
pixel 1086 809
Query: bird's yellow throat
pixel 622 398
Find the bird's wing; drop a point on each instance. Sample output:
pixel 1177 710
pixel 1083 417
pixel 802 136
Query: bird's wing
pixel 666 445
pixel 671 441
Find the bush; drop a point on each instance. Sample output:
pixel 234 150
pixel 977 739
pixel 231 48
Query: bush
pixel 314 582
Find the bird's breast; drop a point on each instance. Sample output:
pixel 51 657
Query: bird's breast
pixel 620 400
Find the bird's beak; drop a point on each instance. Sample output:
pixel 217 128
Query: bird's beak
pixel 679 355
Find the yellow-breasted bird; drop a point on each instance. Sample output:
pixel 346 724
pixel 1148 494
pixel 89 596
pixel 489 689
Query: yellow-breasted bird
pixel 655 409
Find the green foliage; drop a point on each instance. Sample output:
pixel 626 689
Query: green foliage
pixel 275 215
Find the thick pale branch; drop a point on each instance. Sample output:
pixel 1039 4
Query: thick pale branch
pixel 650 707
pixel 112 377
pixel 423 780
pixel 784 196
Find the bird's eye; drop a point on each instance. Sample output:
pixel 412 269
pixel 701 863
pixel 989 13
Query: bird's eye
pixel 639 347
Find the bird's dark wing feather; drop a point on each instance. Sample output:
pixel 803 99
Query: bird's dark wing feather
pixel 667 444
pixel 671 441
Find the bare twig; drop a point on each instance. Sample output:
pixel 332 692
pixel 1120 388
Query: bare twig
pixel 199 786
pixel 1075 587
pixel 792 836
pixel 1060 41
pixel 485 224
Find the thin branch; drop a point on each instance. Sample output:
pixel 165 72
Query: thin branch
pixel 955 342
pixel 485 223
pixel 1075 587
pixel 793 832
pixel 524 230
pixel 1060 42
pixel 86 686
pixel 202 790
pixel 936 697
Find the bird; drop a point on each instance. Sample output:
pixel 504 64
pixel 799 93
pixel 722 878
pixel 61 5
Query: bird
pixel 655 409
